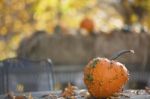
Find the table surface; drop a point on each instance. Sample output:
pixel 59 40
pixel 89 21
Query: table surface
pixel 127 94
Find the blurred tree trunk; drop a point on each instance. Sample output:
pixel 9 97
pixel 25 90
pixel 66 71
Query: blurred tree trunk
pixel 133 11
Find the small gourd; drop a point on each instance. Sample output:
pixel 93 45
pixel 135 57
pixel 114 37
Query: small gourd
pixel 104 77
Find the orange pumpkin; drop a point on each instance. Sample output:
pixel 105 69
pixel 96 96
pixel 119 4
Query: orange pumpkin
pixel 105 77
pixel 87 24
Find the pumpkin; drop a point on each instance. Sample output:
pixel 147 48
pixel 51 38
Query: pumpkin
pixel 104 77
pixel 87 24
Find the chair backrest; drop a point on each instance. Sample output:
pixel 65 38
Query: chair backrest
pixel 28 74
pixel 139 80
pixel 1 78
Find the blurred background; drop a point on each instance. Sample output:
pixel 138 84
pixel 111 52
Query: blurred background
pixel 72 32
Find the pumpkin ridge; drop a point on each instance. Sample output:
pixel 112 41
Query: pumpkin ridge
pixel 94 62
pixel 89 77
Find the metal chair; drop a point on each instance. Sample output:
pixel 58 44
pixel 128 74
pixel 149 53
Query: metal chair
pixel 26 75
pixel 1 78
pixel 139 80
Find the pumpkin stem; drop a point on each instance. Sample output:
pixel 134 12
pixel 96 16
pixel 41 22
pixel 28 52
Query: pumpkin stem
pixel 121 53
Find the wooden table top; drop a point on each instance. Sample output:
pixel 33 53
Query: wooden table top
pixel 81 94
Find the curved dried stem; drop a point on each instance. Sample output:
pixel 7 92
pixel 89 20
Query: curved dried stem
pixel 121 53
